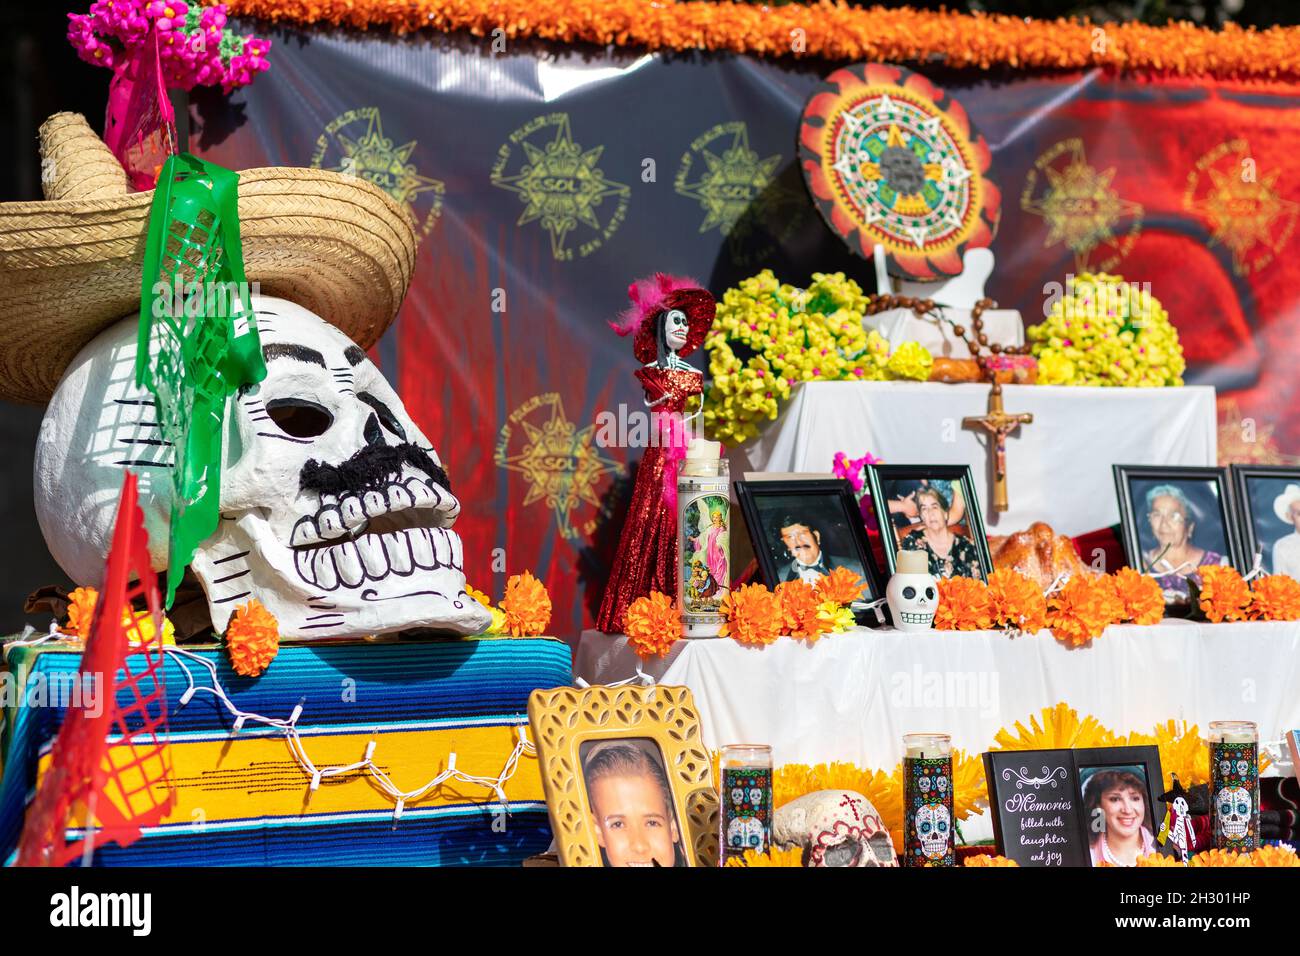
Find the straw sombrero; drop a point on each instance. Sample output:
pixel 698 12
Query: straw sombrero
pixel 71 266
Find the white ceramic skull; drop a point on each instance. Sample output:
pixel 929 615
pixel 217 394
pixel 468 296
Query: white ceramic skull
pixel 745 833
pixel 1233 810
pixel 835 828
pixel 912 593
pixel 676 329
pixel 335 512
pixel 932 826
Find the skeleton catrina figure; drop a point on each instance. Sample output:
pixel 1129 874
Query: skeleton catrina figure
pixel 670 317
pixel 336 511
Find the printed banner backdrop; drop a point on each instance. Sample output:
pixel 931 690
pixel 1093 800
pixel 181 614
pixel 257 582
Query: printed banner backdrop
pixel 545 179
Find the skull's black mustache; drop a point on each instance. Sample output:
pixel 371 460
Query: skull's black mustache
pixel 370 469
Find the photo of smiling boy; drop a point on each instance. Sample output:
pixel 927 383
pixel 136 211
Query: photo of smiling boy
pixel 631 806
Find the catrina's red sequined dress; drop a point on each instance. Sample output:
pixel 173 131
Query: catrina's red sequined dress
pixel 646 559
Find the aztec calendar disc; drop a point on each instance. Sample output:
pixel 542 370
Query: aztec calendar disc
pixel 892 159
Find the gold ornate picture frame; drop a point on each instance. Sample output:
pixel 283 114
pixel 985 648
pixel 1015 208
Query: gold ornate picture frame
pixel 572 725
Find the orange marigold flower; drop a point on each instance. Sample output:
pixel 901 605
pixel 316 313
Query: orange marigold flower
pixel 799 610
pixel 527 605
pixel 842 586
pixel 1081 609
pixel 1225 596
pixel 1144 602
pixel 653 624
pixel 752 615
pixel 963 605
pixel 81 611
pixel 1274 856
pixel 252 639
pixel 1219 858
pixel 1156 859
pixel 1015 601
pixel 988 859
pixel 1276 598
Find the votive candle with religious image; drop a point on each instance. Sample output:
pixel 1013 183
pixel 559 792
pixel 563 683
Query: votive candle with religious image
pixel 744 800
pixel 1234 784
pixel 927 801
pixel 703 537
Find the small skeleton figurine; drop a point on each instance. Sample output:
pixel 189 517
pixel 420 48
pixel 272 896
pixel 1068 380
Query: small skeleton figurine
pixel 1177 826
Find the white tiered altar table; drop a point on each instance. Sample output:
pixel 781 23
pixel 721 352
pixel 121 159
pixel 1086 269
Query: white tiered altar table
pixel 1059 467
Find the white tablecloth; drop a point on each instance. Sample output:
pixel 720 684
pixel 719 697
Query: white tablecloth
pixel 852 696
pixel 1058 468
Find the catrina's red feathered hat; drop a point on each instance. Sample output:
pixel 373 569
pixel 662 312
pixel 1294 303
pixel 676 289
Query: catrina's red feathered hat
pixel 657 294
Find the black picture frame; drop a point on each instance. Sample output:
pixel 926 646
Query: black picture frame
pixel 1129 519
pixel 1089 760
pixel 880 476
pixel 1040 801
pixel 837 500
pixel 1248 513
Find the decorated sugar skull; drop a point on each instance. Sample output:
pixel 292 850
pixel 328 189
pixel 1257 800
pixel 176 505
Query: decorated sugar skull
pixel 738 796
pixel 912 593
pixel 835 828
pixel 932 825
pixel 336 512
pixel 941 783
pixel 756 797
pixel 1233 808
pixel 745 833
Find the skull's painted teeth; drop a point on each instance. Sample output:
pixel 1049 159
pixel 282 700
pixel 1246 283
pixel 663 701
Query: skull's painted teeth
pixel 421 547
pixel 353 514
pixel 399 498
pixel 302 560
pixel 422 493
pixel 371 549
pixel 327 576
pixel 441 546
pixel 348 561
pixel 304 532
pixel 330 523
pixel 398 552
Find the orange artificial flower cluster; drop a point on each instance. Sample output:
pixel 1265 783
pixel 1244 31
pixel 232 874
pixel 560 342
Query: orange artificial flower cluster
pixel 1076 612
pixel 752 615
pixel 988 859
pixel 527 606
pixel 1273 856
pixel 1225 595
pixel 826 30
pixel 799 607
pixel 1276 598
pixel 1016 602
pixel 252 639
pixel 841 586
pixel 653 624
pixel 964 605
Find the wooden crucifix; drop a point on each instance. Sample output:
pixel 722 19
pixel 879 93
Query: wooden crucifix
pixel 999 424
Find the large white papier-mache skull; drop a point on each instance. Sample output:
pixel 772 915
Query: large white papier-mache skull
pixel 835 828
pixel 335 510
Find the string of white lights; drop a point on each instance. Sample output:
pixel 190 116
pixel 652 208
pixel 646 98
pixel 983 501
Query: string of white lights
pixel 289 727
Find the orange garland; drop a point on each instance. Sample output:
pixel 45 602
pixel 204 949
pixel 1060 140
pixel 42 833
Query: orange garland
pixel 826 30
pixel 799 607
pixel 1015 601
pixel 653 624
pixel 752 615
pixel 1143 601
pixel 841 586
pixel 963 605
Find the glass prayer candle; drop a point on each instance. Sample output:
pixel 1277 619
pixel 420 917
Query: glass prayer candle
pixel 927 801
pixel 744 800
pixel 703 537
pixel 1234 784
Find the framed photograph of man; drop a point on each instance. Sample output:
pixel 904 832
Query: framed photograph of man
pixel 1175 520
pixel 804 528
pixel 1268 504
pixel 931 508
pixel 636 791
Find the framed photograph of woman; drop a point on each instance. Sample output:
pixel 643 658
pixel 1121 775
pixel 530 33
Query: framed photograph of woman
pixel 1175 520
pixel 1268 505
pixel 931 508
pixel 1118 787
pixel 803 528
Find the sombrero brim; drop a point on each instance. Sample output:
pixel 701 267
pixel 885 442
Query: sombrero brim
pixel 335 244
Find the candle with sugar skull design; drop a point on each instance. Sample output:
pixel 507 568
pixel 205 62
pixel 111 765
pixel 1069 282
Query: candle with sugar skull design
pixel 927 801
pixel 744 800
pixel 1234 784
